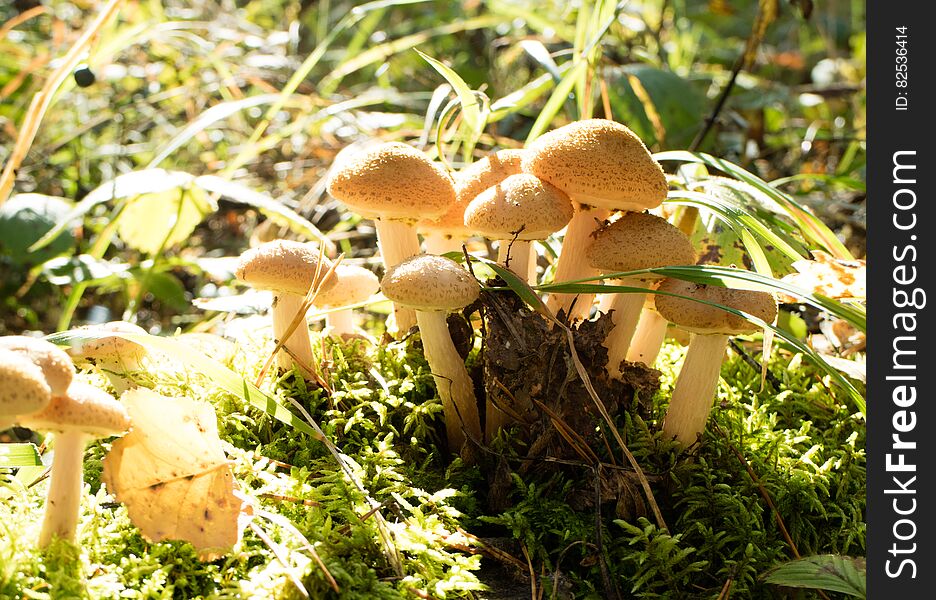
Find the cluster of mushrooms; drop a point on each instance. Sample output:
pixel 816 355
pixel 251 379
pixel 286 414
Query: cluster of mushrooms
pixel 593 178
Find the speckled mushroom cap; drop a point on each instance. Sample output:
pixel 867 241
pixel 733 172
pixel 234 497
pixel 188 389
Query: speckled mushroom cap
pixel 393 181
pixel 430 283
pixel 355 284
pixel 84 409
pixel 639 241
pixel 522 205
pixel 23 388
pixel 471 181
pixel 284 266
pixel 702 318
pixel 110 347
pixel 599 163
pixel 56 366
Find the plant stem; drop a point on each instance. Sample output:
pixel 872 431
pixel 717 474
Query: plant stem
pixel 573 263
pixel 397 241
pixel 695 386
pixel 454 386
pixel 64 499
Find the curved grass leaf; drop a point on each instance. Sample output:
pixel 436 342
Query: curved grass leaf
pixel 812 228
pixel 830 572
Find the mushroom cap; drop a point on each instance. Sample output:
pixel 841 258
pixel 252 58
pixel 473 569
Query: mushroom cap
pixel 57 367
pixel 469 182
pixel 23 387
pixel 355 284
pixel 599 163
pixel 393 181
pixel 284 266
pixel 110 347
pixel 430 283
pixel 639 241
pixel 521 205
pixel 705 319
pixel 83 409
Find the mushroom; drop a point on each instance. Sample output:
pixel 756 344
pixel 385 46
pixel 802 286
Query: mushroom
pixel 434 286
pixel 56 366
pixel 113 355
pixel 635 241
pixel 83 413
pixel 23 388
pixel 448 232
pixel 395 185
pixel 518 209
pixel 602 166
pixel 354 284
pixel 649 336
pixel 289 270
pixel 710 326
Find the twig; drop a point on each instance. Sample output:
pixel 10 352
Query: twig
pixel 750 360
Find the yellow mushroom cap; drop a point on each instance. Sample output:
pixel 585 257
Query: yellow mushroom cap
pixel 110 347
pixel 704 319
pixel 84 409
pixel 56 366
pixel 639 241
pixel 393 181
pixel 521 205
pixel 599 163
pixel 469 182
pixel 23 387
pixel 430 283
pixel 354 284
pixel 284 266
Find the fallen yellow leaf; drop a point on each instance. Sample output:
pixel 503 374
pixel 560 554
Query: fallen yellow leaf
pixel 172 474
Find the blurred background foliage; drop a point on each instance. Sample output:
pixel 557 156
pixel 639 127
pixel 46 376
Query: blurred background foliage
pixel 262 94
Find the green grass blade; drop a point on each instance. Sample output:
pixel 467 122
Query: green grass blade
pixel 14 456
pixel 814 229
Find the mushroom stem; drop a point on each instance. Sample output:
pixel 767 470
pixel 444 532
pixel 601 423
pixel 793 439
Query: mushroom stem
pixel 573 263
pixel 440 243
pixel 625 308
pixel 397 241
pixel 648 339
pixel 285 309
pixel 695 386
pixel 64 498
pixel 514 255
pixel 341 322
pixel 531 265
pixel 451 378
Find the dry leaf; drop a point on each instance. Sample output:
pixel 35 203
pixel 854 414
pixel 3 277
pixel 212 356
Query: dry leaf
pixel 171 473
pixel 832 277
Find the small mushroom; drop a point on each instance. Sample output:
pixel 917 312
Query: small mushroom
pixel 23 388
pixel 448 232
pixel 434 286
pixel 395 185
pixel 711 327
pixel 83 413
pixel 602 166
pixel 288 269
pixel 56 366
pixel 354 284
pixel 634 242
pixel 518 209
pixel 115 356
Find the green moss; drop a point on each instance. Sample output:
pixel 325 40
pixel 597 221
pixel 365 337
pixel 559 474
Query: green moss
pixel 805 448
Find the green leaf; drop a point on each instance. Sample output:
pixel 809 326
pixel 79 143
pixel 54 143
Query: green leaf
pixel 830 572
pixel 472 109
pixel 26 218
pixel 83 268
pixel 167 289
pixel 153 222
pixel 13 456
